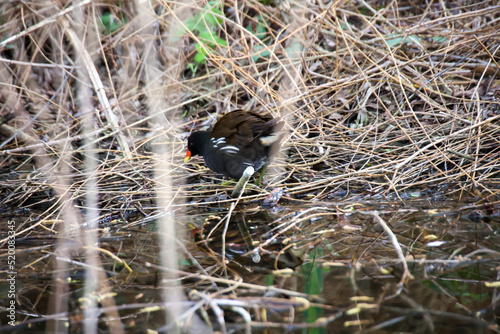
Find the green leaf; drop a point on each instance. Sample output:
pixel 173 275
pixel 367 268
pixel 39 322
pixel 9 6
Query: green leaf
pixel 205 24
pixel 269 280
pixel 111 23
pixel 365 11
pixel 200 58
pixel 396 41
pixel 211 39
pixel 213 7
pixel 439 39
pixel 201 55
pixel 257 54
pixel 343 25
pixel 313 286
pixel 206 19
pixel 193 67
pixel 260 28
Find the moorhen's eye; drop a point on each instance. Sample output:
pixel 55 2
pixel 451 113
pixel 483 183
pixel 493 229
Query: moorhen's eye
pixel 238 140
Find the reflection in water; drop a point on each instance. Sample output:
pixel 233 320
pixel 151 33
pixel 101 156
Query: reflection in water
pixel 350 265
pixel 239 240
pixel 325 268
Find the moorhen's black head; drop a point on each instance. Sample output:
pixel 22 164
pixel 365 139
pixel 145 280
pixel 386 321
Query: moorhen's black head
pixel 197 142
pixel 238 140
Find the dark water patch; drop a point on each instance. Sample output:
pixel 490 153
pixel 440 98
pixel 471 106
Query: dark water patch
pixel 327 267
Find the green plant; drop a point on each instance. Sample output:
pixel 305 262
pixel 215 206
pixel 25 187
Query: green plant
pixel 205 24
pixel 260 31
pixel 313 286
pixel 111 23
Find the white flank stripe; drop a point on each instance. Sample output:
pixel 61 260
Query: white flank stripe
pixel 216 142
pixel 230 148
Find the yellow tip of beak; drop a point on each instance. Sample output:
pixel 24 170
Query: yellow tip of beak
pixel 188 155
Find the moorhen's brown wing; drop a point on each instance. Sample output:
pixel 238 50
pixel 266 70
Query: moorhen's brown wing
pixel 238 140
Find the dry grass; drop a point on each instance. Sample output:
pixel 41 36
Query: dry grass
pixel 379 98
pixel 378 102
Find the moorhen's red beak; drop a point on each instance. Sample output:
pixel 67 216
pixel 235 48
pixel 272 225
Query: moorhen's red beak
pixel 188 155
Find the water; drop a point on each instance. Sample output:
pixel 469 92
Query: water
pixel 322 268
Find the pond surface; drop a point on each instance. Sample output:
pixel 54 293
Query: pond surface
pixel 322 268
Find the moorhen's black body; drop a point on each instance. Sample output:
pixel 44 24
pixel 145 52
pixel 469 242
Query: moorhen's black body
pixel 240 139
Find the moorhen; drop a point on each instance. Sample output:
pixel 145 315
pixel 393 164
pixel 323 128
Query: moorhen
pixel 240 139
